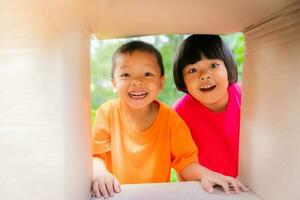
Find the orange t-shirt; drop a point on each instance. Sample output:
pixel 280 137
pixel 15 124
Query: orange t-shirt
pixel 142 157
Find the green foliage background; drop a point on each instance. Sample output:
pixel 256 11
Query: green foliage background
pixel 102 51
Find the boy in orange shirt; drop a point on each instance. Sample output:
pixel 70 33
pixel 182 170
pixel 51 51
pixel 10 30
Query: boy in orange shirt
pixel 136 138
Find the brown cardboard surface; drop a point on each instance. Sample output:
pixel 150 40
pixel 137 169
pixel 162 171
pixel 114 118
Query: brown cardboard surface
pixel 270 133
pixel 135 17
pixel 45 100
pixel 45 118
pixel 121 18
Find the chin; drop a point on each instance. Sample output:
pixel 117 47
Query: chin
pixel 135 105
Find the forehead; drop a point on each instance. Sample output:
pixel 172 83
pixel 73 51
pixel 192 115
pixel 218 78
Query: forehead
pixel 136 58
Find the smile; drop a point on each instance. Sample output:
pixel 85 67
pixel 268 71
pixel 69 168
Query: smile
pixel 207 88
pixel 138 95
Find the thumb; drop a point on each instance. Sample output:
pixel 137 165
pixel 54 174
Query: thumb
pixel 207 186
pixel 116 183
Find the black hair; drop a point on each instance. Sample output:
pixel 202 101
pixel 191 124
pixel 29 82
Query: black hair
pixel 198 47
pixel 131 47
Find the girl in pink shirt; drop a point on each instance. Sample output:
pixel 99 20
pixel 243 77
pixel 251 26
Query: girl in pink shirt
pixel 205 70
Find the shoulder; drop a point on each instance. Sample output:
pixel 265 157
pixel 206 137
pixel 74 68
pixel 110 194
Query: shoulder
pixel 168 113
pixel 185 106
pixel 108 106
pixel 165 109
pixel 236 87
pixel 235 92
pixel 182 103
pixel 171 120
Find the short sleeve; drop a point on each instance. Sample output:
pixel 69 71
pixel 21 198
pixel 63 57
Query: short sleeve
pixel 101 140
pixel 183 148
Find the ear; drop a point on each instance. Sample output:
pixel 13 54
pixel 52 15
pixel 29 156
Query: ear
pixel 162 81
pixel 113 84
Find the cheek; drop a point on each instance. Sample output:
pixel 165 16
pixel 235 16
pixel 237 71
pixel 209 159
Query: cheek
pixel 225 81
pixel 191 87
pixel 224 74
pixel 222 77
pixel 120 87
pixel 186 81
pixel 190 83
pixel 223 86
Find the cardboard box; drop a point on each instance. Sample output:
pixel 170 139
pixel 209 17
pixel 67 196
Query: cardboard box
pixel 45 150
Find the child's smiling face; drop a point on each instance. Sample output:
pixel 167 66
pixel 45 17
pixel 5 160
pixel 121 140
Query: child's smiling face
pixel 137 78
pixel 207 81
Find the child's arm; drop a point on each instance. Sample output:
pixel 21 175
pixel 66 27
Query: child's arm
pixel 208 178
pixel 185 161
pixel 104 183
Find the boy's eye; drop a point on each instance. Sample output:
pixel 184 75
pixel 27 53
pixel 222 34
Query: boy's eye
pixel 124 75
pixel 214 65
pixel 192 70
pixel 148 74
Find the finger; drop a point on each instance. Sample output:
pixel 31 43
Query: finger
pixel 95 189
pixel 103 189
pixel 234 184
pixel 109 186
pixel 207 186
pixel 243 187
pixel 93 194
pixel 117 187
pixel 224 185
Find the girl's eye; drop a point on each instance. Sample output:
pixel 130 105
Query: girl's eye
pixel 192 70
pixel 148 74
pixel 124 75
pixel 214 65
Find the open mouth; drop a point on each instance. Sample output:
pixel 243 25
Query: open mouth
pixel 207 88
pixel 138 95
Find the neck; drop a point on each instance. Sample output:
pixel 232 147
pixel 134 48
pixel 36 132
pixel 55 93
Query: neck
pixel 141 112
pixel 142 119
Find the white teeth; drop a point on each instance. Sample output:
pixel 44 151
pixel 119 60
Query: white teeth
pixel 138 93
pixel 207 86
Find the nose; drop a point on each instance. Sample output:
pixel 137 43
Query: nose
pixel 204 76
pixel 137 82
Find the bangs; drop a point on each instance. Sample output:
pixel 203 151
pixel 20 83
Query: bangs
pixel 202 50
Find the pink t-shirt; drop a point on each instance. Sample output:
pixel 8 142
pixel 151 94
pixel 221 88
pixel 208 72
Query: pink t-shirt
pixel 215 133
